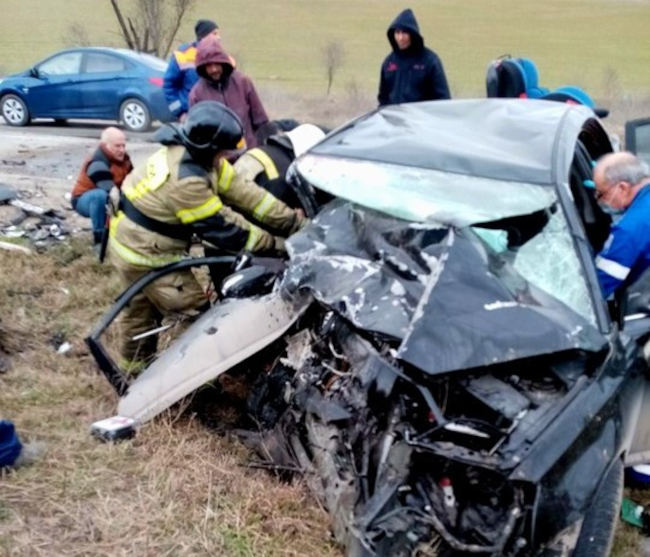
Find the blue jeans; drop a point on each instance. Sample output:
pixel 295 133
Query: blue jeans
pixel 93 204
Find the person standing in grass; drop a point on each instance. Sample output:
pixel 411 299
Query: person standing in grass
pixel 180 75
pixel 105 168
pixel 411 72
pixel 220 81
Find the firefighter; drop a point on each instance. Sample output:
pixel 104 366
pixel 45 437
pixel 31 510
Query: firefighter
pixel 267 165
pixel 181 191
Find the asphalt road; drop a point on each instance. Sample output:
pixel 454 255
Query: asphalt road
pixel 73 128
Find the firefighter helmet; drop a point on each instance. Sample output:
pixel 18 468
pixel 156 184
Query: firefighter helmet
pixel 210 127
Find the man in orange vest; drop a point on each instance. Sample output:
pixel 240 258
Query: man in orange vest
pixel 105 168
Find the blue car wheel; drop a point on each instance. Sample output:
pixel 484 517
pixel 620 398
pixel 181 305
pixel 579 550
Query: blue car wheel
pixel 135 115
pixel 14 110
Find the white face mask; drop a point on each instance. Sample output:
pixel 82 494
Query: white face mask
pixel 610 210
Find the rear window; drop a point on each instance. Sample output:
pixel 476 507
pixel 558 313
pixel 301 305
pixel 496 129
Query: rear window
pixel 147 59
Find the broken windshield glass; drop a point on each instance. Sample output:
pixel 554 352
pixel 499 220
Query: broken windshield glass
pixel 423 195
pixel 546 258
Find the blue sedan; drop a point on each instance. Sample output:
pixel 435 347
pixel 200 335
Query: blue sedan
pixel 88 83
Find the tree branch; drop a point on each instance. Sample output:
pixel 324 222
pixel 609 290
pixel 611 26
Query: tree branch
pixel 120 20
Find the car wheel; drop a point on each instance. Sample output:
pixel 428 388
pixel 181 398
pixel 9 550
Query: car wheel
pixel 597 532
pixel 135 115
pixel 14 110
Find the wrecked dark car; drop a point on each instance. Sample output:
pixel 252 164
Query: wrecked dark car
pixel 436 356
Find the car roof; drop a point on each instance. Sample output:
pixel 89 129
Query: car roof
pixel 507 139
pixel 133 55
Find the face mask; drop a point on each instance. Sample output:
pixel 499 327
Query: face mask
pixel 607 209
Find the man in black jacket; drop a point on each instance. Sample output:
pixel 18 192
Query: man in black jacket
pixel 412 72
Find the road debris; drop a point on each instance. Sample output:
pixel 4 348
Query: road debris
pixel 15 247
pixel 42 226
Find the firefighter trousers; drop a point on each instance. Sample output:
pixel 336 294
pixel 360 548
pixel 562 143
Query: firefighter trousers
pixel 177 294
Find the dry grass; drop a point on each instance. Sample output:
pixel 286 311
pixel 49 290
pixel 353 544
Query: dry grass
pixel 177 489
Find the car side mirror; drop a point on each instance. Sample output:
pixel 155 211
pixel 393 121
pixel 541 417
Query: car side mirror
pixel 34 73
pixel 637 138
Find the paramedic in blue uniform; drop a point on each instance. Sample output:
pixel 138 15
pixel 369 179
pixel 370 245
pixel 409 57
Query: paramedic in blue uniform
pixel 621 181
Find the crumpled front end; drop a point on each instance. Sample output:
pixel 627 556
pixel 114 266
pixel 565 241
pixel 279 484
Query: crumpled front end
pixel 439 397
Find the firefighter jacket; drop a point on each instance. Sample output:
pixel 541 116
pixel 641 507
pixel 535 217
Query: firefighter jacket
pixel 267 166
pixel 172 191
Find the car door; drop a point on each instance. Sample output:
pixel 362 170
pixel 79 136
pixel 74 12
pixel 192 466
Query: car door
pixel 103 79
pixel 637 318
pixel 637 138
pixel 55 94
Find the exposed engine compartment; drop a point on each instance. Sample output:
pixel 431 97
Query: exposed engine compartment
pixel 408 463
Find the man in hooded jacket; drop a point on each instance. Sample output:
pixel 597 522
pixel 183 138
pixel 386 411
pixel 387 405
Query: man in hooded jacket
pixel 220 81
pixel 412 72
pixel 177 193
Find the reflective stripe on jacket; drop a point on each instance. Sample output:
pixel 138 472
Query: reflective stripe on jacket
pixel 180 77
pixel 171 188
pixel 626 254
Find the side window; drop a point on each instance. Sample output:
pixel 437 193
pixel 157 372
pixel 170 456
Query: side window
pixel 63 64
pixel 97 62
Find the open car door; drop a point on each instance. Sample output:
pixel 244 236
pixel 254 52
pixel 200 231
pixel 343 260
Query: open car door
pixel 637 320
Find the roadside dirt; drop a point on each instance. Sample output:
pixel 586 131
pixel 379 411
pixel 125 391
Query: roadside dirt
pixel 42 168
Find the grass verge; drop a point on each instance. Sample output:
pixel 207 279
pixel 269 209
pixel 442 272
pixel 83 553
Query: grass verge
pixel 176 489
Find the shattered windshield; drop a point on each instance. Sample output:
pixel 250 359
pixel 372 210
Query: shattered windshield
pixel 423 195
pixel 540 249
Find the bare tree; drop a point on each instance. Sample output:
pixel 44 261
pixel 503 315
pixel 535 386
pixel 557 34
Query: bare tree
pixel 333 57
pixel 153 24
pixel 76 35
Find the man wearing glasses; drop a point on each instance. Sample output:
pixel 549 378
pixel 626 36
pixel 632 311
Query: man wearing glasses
pixel 621 180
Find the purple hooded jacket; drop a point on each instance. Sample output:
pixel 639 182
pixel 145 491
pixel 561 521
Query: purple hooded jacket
pixel 234 89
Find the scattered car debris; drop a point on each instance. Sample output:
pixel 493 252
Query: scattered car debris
pixel 39 225
pixel 636 515
pixel 64 348
pixel 117 428
pixel 15 247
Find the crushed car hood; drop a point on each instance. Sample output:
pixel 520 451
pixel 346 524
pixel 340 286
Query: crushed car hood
pixel 446 302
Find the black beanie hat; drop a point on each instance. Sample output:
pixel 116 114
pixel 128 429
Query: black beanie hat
pixel 204 27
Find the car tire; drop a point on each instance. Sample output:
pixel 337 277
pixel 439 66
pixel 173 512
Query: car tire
pixel 597 532
pixel 135 115
pixel 14 110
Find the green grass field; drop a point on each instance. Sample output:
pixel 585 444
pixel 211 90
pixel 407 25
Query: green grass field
pixel 580 42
